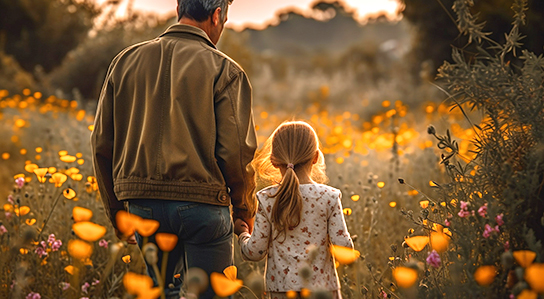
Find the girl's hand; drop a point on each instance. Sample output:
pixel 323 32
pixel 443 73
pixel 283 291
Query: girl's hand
pixel 240 226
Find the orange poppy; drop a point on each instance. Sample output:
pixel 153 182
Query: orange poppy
pixel 30 167
pixel 417 243
pixel 23 211
pixel 76 176
pixel 524 257
pixel 291 294
pixel 126 258
pixel 439 241
pixel 527 294
pixel 224 286
pixel 405 276
pixel 485 275
pixel 166 241
pixel 80 249
pixel 88 231
pixel 59 179
pixel 424 204
pixel 127 222
pixel 81 214
pixel 69 193
pixel 146 227
pixel 68 158
pixel 71 269
pixel 151 293
pixel 533 276
pixel 40 174
pixel 344 255
pixel 136 283
pixel 305 293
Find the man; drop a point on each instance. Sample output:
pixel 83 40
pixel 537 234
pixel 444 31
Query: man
pixel 174 137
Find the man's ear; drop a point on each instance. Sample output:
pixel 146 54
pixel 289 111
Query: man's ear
pixel 216 16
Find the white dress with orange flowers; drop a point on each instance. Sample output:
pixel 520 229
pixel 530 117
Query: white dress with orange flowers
pixel 321 224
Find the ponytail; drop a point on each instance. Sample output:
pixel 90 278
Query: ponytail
pixel 287 209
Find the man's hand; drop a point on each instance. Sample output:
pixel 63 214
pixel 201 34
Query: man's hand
pixel 240 226
pixel 130 239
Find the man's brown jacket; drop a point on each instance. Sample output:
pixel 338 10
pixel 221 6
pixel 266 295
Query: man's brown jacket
pixel 174 122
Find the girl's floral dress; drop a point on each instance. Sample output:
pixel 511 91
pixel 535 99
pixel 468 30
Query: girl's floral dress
pixel 322 223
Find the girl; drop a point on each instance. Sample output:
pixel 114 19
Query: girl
pixel 298 218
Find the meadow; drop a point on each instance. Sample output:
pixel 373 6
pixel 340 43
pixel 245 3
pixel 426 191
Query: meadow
pixel 441 183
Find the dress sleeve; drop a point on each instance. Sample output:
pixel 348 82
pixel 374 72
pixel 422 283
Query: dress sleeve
pixel 255 247
pixel 338 231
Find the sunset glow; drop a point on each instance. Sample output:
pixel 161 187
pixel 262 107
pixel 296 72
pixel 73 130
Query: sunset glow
pixel 259 13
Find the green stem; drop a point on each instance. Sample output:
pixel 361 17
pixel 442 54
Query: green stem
pixel 163 271
pixel 161 282
pixel 243 286
pixel 49 216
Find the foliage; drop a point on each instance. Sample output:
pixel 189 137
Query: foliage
pixel 437 30
pixel 55 27
pixel 492 205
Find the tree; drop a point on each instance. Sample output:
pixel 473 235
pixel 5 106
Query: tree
pixel 435 24
pixel 42 32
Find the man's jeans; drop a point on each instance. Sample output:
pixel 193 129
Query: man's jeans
pixel 205 238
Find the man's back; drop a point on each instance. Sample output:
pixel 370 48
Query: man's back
pixel 182 131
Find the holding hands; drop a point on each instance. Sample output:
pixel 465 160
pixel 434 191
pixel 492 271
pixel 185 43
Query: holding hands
pixel 240 226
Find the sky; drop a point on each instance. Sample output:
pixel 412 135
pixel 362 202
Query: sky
pixel 257 13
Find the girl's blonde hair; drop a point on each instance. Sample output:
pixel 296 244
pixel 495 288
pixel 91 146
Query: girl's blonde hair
pixel 291 145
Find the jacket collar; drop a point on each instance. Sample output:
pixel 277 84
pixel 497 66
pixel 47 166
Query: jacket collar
pixel 188 29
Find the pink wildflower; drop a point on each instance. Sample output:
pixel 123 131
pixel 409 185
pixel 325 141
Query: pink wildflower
pixel 10 199
pixel 51 239
pixel 56 245
pixel 3 230
pixel 434 259
pixel 103 243
pixel 41 250
pixel 499 219
pixel 447 222
pixel 483 210
pixel 463 213
pixel 85 287
pixel 464 205
pixel 506 246
pixel 20 182
pixel 95 282
pixel 488 230
pixel 9 215
pixel 33 295
pixel 64 285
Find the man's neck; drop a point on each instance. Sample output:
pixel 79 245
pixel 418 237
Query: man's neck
pixel 202 25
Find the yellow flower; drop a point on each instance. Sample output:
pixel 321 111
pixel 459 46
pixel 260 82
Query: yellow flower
pixel 533 275
pixel 81 214
pixel 126 258
pixel 146 227
pixel 40 174
pixel 69 193
pixel 404 276
pixel 424 204
pixel 439 241
pixel 380 184
pixel 88 231
pixel 291 294
pixel 355 197
pixel 166 241
pixel 527 294
pixel 344 255
pixel 68 158
pixel 485 275
pixel 80 249
pixel 136 283
pixel 59 179
pixel 225 284
pixel 71 269
pixel 524 257
pixel 347 211
pixel 417 243
pixel 127 222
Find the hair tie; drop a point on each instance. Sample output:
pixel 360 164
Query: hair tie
pixel 290 165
